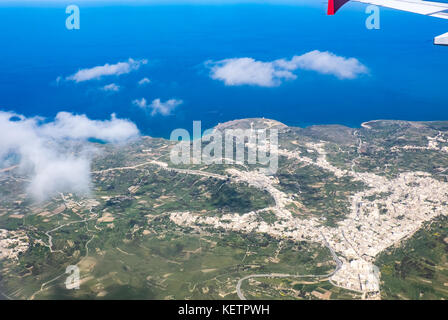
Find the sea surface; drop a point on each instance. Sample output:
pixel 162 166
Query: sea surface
pixel 407 74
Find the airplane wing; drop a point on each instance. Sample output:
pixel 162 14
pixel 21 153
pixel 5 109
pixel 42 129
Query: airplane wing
pixel 428 8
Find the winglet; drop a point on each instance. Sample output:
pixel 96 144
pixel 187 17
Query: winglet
pixel 441 40
pixel 334 5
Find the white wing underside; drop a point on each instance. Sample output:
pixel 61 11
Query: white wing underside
pixel 433 9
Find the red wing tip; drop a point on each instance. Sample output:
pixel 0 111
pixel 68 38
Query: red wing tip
pixel 330 11
pixel 334 6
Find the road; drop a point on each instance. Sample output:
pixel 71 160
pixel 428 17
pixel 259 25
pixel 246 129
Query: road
pixel 281 275
pixel 4 296
pixel 165 166
pixel 50 237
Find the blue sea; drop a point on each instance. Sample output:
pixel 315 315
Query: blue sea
pixel 407 74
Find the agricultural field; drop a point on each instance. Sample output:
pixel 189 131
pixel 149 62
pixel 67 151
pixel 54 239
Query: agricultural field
pixel 349 214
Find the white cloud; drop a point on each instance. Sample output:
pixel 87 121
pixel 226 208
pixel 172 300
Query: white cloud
pixel 164 108
pixel 158 107
pixel 78 127
pixel 98 72
pixel 140 103
pixel 144 81
pixel 111 87
pixel 326 63
pixel 248 71
pixel 55 154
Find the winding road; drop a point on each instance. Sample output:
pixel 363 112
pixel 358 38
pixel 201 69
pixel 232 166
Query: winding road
pixel 281 275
